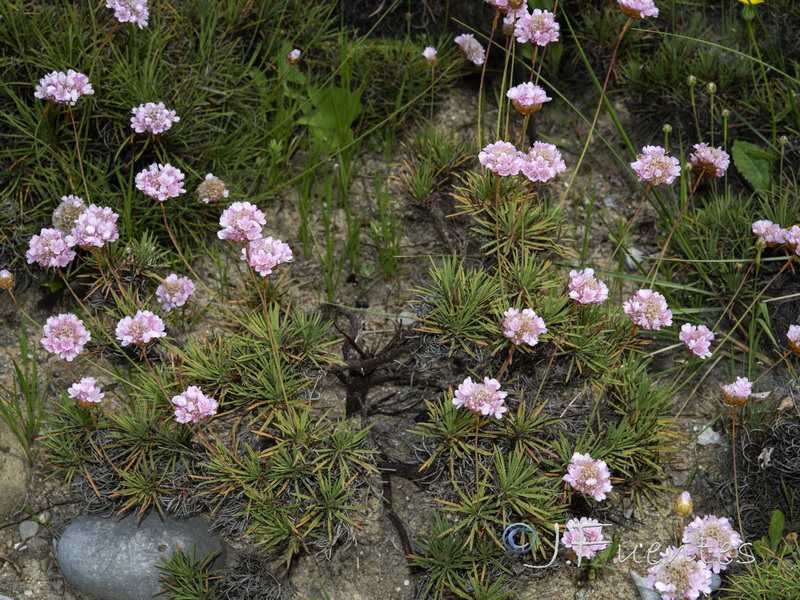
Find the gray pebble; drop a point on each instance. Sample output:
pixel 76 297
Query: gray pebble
pixel 646 593
pixel 28 529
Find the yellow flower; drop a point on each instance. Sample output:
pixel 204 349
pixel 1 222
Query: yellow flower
pixel 751 2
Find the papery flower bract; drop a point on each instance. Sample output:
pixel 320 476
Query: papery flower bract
pixel 737 393
pixel 63 88
pixel 6 280
pixel 65 335
pixel 524 327
pixel 543 162
pixel 471 48
pixel 684 505
pixel 241 222
pixel 66 213
pixel 266 254
pixel 484 398
pixel 174 291
pixel 638 9
pixel 213 189
pixel 697 339
pixel 130 11
pixel 161 182
pixel 429 54
pixel 527 98
pixel 501 158
pixel 793 335
pixel 193 405
pixel 95 227
pixel 140 329
pixel 584 537
pixel 710 161
pixel 655 167
pixel 49 249
pixel 293 57
pixel 772 233
pixel 677 576
pixel 539 27
pixel 648 310
pixel 85 392
pixel 713 540
pixel 152 117
pixel 585 288
pixel 588 476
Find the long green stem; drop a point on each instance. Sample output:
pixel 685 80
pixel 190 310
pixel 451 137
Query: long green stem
pixel 78 151
pixel 483 77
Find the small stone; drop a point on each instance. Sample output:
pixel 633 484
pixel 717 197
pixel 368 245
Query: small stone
pixel 117 558
pixel 44 518
pixel 708 437
pixel 28 592
pixel 37 547
pixel 28 529
pixel 5 597
pixel 645 592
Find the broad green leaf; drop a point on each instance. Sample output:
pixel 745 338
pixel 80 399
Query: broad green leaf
pixel 753 163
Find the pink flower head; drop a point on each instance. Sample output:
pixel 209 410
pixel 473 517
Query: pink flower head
pixel 63 88
pixel 293 57
pixel 523 328
pixel 66 214
pixel 543 162
pixel 193 405
pixel 512 15
pixel 539 27
pixel 684 505
pixel 484 398
pixel 94 227
pixel 678 576
pixel 130 11
pixel 638 9
pixel 584 537
pixel 429 54
pixel 791 238
pixel 86 391
pixel 140 329
pixel 710 161
pixel 470 48
pixel 501 158
pixel 501 5
pixel 793 335
pixel 655 167
pixel 527 98
pixel 174 292
pixel 713 540
pixel 213 189
pixel 6 280
pixel 241 222
pixel 49 249
pixel 697 339
pixel 737 393
pixel 65 335
pixel 772 233
pixel 266 254
pixel 161 181
pixel 585 288
pixel 590 477
pixel 155 118
pixel 648 310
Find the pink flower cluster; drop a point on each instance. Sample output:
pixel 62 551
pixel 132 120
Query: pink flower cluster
pixel 697 339
pixel 161 182
pixel 483 398
pixel 94 228
pixel 293 57
pixel 773 234
pixel 539 27
pixel 6 280
pixel 266 253
pixel 710 161
pixel 527 98
pixel 193 405
pixel 140 329
pixel 65 335
pixel 85 392
pixel 678 576
pixel 501 158
pixel 49 249
pixel 213 189
pixel 638 9
pixel 471 48
pixel 584 537
pixel 737 393
pixel 648 310
pixel 63 88
pixel 712 540
pixel 655 167
pixel 524 327
pixel 588 476
pixel 152 117
pixel 130 11
pixel 585 288
pixel 793 335
pixel 174 291
pixel 542 163
pixel 241 222
pixel 429 54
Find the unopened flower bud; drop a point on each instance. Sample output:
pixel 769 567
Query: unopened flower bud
pixel 691 81
pixel 667 128
pixel 793 336
pixel 409 16
pixel 725 113
pixel 6 280
pixel 783 140
pixel 711 87
pixel 684 506
pixel 429 54
pixel 293 57
pixel 761 244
